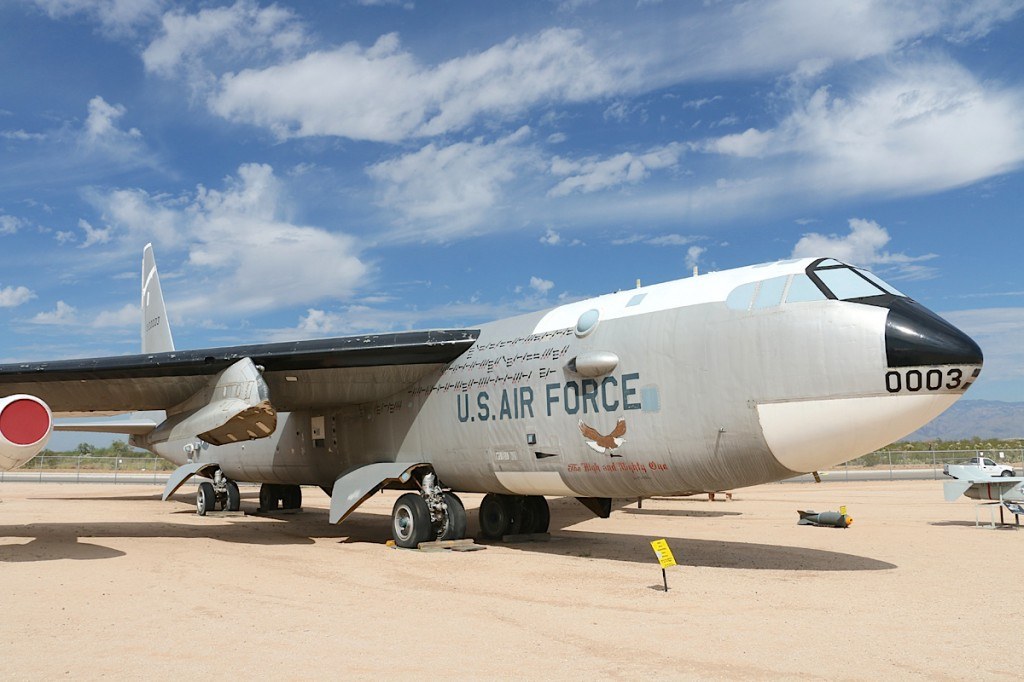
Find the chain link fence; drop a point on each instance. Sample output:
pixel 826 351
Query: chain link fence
pixel 87 468
pixel 75 468
pixel 934 460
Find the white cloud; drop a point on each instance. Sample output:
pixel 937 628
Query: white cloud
pixel 100 125
pixel 693 255
pixel 243 256
pixel 101 138
pixel 551 238
pixel 404 4
pixel 21 135
pixel 222 34
pixel 127 316
pixel 117 17
pixel 10 224
pixel 749 143
pixel 541 286
pixel 93 235
pixel 863 246
pixel 11 297
pixel 919 127
pixel 63 314
pixel 441 192
pixel 383 93
pixel 593 173
pixel 361 318
pixel 701 103
pixel 671 240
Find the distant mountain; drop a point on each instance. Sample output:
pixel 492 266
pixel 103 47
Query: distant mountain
pixel 969 418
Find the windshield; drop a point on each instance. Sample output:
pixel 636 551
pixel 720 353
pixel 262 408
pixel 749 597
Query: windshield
pixel 840 281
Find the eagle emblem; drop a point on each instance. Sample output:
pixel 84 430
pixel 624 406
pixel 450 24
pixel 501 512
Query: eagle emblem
pixel 602 444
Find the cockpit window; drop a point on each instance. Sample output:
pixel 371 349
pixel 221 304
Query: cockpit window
pixel 802 289
pixel 770 293
pixel 823 280
pixel 845 283
pixel 887 287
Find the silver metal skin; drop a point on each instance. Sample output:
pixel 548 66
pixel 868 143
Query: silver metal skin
pixel 686 387
pixel 708 383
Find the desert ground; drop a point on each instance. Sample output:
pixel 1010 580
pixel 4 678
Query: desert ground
pixel 107 581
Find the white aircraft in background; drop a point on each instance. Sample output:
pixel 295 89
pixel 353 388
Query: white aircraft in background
pixel 709 383
pixel 976 483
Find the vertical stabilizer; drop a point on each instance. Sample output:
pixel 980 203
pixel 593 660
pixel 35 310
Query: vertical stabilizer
pixel 156 329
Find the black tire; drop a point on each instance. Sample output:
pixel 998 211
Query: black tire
pixel 410 521
pixel 269 497
pixel 454 525
pixel 495 516
pixel 1006 473
pixel 206 499
pixel 291 496
pixel 234 499
pixel 537 515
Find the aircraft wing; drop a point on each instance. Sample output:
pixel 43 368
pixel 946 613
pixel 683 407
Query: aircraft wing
pixel 300 374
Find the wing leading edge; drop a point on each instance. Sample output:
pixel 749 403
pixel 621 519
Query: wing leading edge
pixel 299 374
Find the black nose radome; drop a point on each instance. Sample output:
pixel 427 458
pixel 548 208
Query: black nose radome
pixel 915 336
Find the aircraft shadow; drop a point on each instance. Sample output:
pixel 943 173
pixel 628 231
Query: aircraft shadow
pixel 72 540
pixel 704 553
pixel 983 523
pixel 694 513
pixel 52 541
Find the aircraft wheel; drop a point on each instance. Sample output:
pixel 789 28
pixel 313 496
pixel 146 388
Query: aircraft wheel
pixel 269 497
pixel 536 515
pixel 410 521
pixel 495 516
pixel 206 499
pixel 454 525
pixel 291 496
pixel 234 500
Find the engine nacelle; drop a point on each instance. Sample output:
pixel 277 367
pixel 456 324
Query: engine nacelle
pixel 25 426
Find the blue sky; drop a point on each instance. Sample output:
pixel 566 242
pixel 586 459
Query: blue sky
pixel 311 169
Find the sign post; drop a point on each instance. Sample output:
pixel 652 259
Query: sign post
pixel 665 558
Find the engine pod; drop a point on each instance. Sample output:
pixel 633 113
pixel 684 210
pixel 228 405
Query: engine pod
pixel 25 427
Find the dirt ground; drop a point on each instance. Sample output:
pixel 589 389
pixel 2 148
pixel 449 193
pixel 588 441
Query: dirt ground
pixel 107 581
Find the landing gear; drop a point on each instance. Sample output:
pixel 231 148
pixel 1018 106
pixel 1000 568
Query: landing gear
pixel 410 521
pixel 453 525
pixel 433 513
pixel 276 495
pixel 206 499
pixel 502 515
pixel 233 499
pixel 220 491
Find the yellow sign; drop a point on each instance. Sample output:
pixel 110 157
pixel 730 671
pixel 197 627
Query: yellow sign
pixel 842 510
pixel 663 553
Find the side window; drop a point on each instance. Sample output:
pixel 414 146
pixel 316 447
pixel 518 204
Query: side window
pixel 739 298
pixel 770 293
pixel 988 462
pixel 802 289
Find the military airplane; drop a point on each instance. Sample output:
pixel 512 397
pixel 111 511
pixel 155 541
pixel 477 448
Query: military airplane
pixel 708 383
pixel 976 484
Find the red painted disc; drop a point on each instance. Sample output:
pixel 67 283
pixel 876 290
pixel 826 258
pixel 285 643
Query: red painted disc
pixel 24 422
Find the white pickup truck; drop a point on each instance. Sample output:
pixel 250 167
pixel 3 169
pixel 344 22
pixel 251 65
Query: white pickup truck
pixel 979 464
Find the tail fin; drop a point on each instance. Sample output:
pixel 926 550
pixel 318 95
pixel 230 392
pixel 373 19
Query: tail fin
pixel 156 328
pixel 954 489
